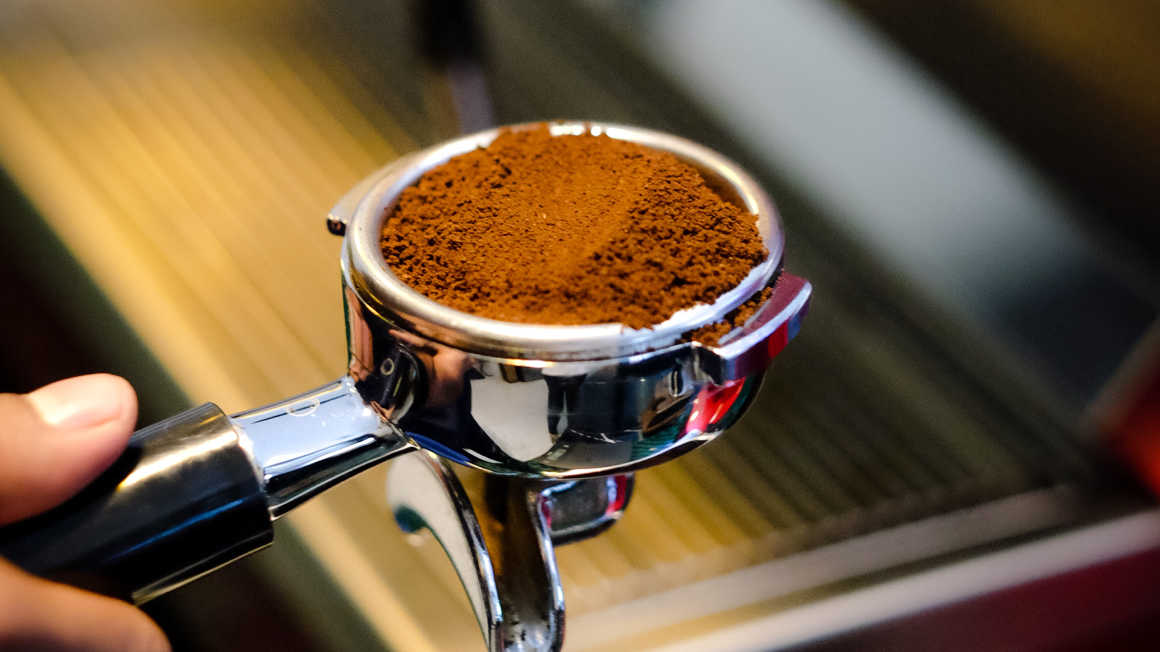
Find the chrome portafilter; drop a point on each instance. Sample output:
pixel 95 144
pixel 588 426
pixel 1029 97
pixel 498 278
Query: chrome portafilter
pixel 562 412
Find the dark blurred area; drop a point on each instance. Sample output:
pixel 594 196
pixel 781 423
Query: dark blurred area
pixel 918 390
pixel 1072 84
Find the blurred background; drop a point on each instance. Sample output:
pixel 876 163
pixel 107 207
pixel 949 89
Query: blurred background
pixel 956 450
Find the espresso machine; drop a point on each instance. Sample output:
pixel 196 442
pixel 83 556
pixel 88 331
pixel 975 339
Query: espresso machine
pixel 511 438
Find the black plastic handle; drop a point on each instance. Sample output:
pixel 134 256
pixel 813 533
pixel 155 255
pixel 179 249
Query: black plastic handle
pixel 183 500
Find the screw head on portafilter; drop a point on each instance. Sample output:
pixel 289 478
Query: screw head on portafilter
pixel 555 401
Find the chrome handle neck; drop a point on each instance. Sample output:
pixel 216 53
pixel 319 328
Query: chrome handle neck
pixel 310 442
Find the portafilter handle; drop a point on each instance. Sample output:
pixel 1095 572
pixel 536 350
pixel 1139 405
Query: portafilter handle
pixel 200 490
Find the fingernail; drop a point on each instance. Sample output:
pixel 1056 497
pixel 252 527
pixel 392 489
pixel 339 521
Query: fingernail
pixel 81 402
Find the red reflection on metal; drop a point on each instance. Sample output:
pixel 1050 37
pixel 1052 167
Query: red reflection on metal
pixel 1137 435
pixel 619 494
pixel 777 341
pixel 546 511
pixel 712 404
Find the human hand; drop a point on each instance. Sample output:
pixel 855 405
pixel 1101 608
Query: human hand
pixel 53 442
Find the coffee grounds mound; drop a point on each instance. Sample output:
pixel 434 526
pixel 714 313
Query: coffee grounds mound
pixel 569 230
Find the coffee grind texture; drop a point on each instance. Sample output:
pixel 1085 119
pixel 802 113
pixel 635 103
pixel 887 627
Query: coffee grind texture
pixel 569 230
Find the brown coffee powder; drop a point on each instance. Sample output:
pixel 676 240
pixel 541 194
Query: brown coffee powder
pixel 569 230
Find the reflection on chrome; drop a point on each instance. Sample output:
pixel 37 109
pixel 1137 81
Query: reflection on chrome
pixel 307 443
pixel 502 545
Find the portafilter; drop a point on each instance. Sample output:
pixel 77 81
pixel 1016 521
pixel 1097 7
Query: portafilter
pixel 201 489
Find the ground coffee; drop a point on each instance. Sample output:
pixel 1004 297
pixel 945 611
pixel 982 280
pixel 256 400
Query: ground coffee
pixel 569 230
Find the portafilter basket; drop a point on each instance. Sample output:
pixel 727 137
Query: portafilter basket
pixel 201 489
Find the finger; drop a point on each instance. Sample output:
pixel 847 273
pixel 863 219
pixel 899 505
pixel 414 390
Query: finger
pixel 40 615
pixel 59 438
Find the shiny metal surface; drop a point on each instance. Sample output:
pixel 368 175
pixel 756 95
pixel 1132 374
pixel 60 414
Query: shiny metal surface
pixel 565 420
pixel 310 442
pixel 424 494
pixel 581 509
pixel 555 401
pixel 502 546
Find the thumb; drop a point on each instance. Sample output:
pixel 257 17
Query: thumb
pixel 59 438
pixel 40 615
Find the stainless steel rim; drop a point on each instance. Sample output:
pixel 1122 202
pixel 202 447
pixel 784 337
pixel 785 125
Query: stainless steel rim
pixel 367 272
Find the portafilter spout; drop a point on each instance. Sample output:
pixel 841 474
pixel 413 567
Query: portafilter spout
pixel 201 489
pixel 501 535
